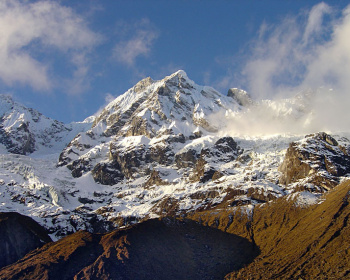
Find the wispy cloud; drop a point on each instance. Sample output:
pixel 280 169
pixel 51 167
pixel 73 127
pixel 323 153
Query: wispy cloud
pixel 139 43
pixel 78 82
pixel 283 57
pixel 30 28
pixel 315 26
pixel 307 51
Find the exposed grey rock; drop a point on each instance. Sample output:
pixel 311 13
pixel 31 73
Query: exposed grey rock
pixel 139 126
pixel 79 167
pixel 202 172
pixel 319 158
pixel 168 206
pixel 240 96
pixel 224 150
pixel 108 173
pixel 141 85
pixel 18 140
pixel 155 179
pixel 186 159
pixel 205 194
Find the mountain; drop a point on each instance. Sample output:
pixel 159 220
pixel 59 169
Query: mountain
pixel 169 148
pixel 159 150
pixel 156 118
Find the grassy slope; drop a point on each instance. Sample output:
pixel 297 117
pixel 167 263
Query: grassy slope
pixel 295 242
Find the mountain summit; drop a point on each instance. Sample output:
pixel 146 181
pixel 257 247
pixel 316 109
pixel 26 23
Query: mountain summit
pixel 152 113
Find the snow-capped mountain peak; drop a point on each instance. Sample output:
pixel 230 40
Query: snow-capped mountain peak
pixel 172 107
pixel 158 103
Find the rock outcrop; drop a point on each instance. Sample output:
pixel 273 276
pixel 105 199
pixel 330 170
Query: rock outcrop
pixel 240 96
pixel 224 150
pixel 318 159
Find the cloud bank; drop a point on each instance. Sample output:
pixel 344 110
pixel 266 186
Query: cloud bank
pixel 307 52
pixel 29 29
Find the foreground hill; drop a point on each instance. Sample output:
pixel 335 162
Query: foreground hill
pixel 167 249
pixel 19 235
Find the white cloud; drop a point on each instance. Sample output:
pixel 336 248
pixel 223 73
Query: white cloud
pixel 78 82
pixel 28 28
pixel 139 44
pixel 308 51
pixel 314 23
pixel 301 51
pixel 330 65
pixel 109 98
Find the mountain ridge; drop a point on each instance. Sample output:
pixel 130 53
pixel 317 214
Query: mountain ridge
pixel 155 151
pixel 25 131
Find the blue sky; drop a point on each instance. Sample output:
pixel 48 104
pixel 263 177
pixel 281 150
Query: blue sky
pixel 69 58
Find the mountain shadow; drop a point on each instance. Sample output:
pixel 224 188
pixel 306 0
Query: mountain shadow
pixel 155 249
pixel 18 236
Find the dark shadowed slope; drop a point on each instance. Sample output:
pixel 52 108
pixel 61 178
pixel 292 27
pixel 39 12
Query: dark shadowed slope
pixel 18 236
pixel 155 249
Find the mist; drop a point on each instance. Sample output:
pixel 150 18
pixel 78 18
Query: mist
pixel 298 73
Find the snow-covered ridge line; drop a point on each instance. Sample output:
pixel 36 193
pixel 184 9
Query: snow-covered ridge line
pixel 26 131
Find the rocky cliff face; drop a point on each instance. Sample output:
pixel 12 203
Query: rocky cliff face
pixel 316 162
